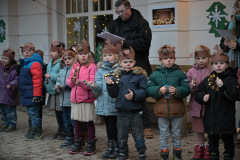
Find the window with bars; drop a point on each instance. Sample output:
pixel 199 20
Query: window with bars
pixel 81 6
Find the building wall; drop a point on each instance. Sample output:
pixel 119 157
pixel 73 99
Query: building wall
pixel 29 21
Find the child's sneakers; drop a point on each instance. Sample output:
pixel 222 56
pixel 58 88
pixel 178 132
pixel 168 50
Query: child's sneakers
pixel 122 156
pixel 142 156
pixel 62 135
pixel 177 154
pixel 77 146
pixel 55 136
pixel 91 147
pixel 68 141
pixel 2 128
pixel 10 129
pixel 164 153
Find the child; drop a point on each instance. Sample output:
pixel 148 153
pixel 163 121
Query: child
pixel 105 104
pixel 82 98
pixel 8 88
pixel 218 92
pixel 30 86
pixel 130 95
pixel 195 76
pixel 53 68
pixel 169 85
pixel 64 91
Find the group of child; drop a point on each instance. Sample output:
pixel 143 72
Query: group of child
pixel 121 90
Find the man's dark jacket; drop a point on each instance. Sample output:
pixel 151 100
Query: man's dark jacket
pixel 137 34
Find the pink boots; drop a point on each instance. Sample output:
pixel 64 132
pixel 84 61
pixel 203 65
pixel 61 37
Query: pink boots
pixel 201 153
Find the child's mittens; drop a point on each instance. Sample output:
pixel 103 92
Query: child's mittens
pixel 206 97
pixel 37 99
pixel 89 84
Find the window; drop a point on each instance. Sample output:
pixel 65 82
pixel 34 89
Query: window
pixel 77 29
pixel 102 5
pixel 100 22
pixel 76 6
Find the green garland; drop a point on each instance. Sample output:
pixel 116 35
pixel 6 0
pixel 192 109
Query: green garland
pixel 2 31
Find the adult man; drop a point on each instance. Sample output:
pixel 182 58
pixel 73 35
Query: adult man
pixel 135 29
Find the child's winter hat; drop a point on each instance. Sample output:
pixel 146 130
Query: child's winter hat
pixel 40 53
pixel 127 54
pixel 219 55
pixel 108 47
pixel 202 51
pixel 56 47
pixel 83 47
pixel 28 46
pixel 69 52
pixel 9 53
pixel 166 51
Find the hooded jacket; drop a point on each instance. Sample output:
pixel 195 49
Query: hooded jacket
pixel 136 81
pixel 137 34
pixel 172 106
pixel 53 70
pixel 64 98
pixel 8 95
pixel 30 79
pixel 196 109
pixel 219 117
pixel 105 104
pixel 81 93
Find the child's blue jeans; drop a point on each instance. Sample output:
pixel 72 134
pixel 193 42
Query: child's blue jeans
pixel 176 126
pixel 33 112
pixel 9 115
pixel 69 124
pixel 125 120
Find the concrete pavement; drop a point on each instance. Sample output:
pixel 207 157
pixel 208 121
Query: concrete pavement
pixel 14 147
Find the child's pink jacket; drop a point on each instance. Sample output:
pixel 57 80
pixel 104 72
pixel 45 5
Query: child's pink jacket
pixel 200 74
pixel 81 93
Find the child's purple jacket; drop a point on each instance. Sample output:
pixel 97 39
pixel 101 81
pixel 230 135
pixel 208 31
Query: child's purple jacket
pixel 8 96
pixel 200 73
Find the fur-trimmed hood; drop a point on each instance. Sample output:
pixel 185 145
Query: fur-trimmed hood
pixel 136 70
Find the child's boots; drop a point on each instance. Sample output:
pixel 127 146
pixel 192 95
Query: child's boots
pixel 206 155
pixel 68 141
pixel 199 152
pixel 177 154
pixel 77 146
pixel 164 153
pixel 34 134
pixel 109 150
pixel 214 156
pixel 91 147
pixel 115 152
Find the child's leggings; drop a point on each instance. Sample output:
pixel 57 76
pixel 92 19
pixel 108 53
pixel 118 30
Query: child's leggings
pixel 78 130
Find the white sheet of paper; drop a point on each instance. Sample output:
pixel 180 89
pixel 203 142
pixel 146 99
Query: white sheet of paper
pixel 226 34
pixel 112 37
